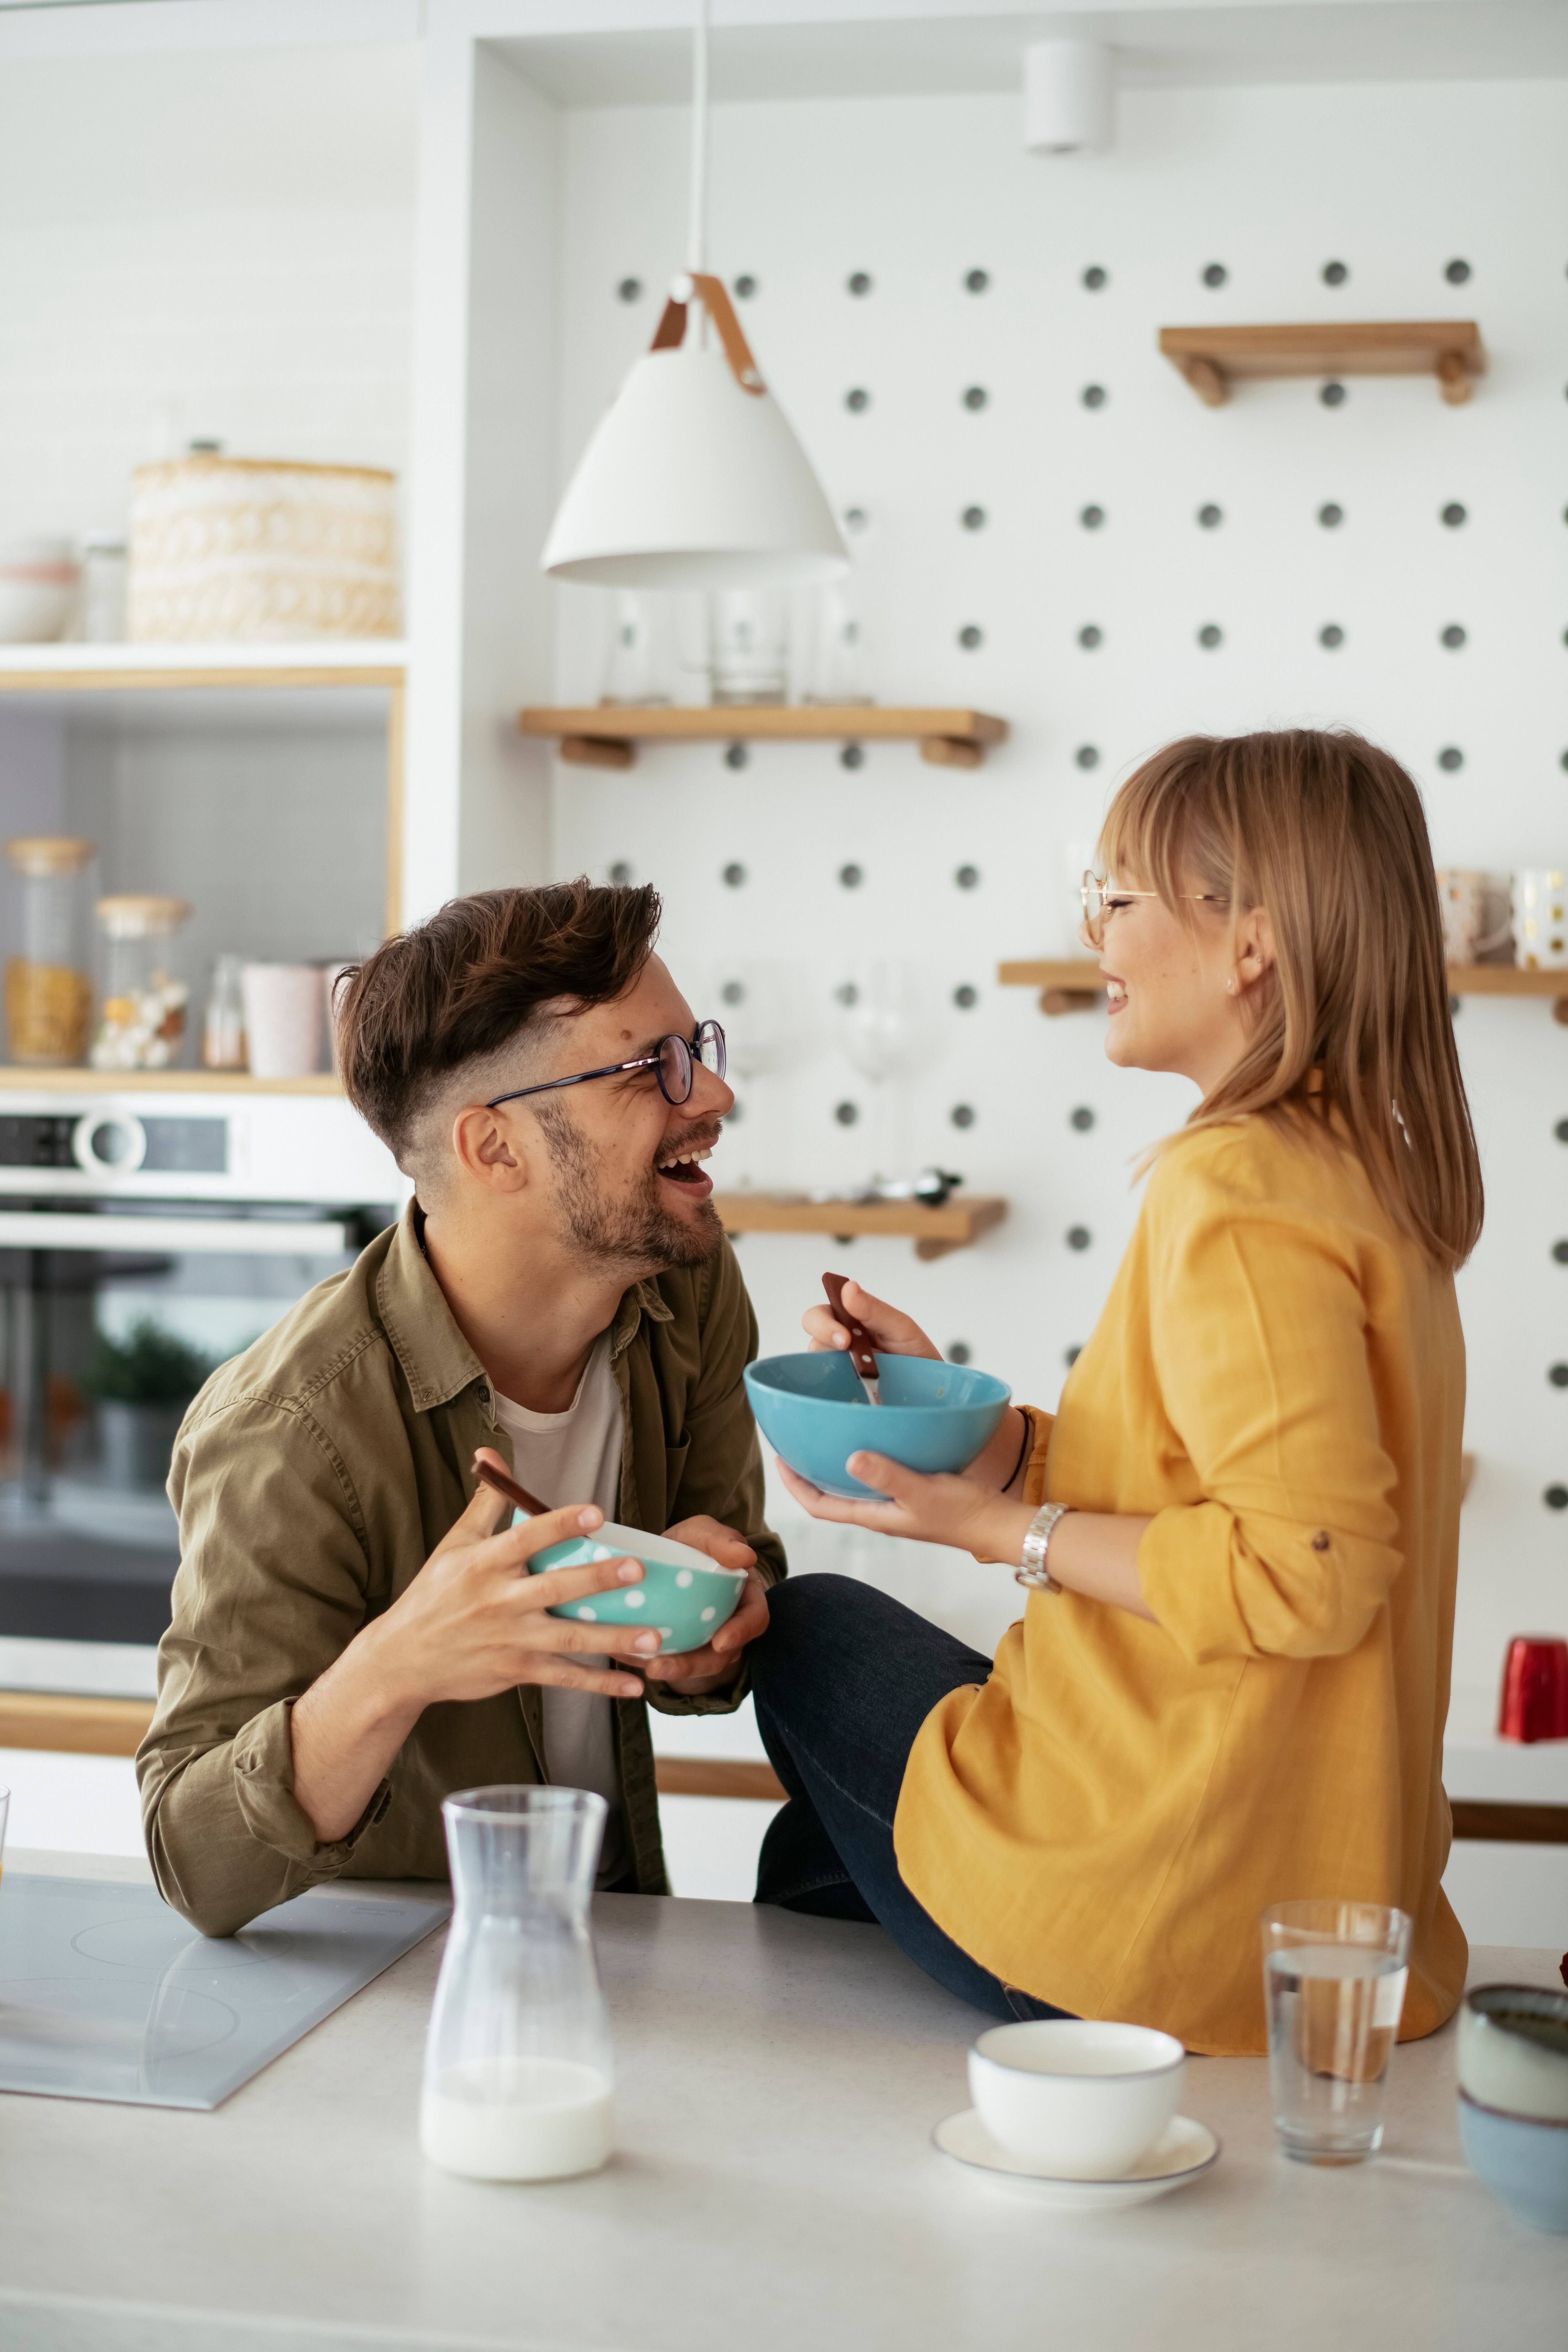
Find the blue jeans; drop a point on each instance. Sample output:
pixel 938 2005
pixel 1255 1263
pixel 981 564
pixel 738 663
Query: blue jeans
pixel 844 1679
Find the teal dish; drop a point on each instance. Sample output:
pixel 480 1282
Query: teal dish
pixel 1523 2162
pixel 814 1412
pixel 683 1592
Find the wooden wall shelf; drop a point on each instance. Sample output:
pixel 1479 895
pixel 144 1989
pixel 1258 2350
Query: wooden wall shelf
pixel 1213 358
pixel 605 735
pixel 1074 984
pixel 934 1231
pixel 15 1079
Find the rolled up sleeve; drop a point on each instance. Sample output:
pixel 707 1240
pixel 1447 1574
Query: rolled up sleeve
pixel 271 1589
pixel 1258 1319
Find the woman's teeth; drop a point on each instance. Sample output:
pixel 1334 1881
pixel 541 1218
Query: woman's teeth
pixel 1116 990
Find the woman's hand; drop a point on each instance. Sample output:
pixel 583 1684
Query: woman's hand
pixel 892 1334
pixel 940 1510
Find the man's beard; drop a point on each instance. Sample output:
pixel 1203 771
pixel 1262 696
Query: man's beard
pixel 615 1235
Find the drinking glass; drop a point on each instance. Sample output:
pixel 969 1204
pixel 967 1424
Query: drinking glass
pixel 1333 1976
pixel 517 2071
pixel 749 645
pixel 888 1028
pixel 641 655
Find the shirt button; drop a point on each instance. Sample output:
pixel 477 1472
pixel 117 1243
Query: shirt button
pixel 1319 1541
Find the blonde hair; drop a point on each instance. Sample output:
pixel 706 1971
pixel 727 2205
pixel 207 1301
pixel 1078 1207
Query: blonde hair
pixel 1325 833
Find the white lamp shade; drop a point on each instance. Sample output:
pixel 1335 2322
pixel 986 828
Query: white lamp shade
pixel 692 481
pixel 1069 96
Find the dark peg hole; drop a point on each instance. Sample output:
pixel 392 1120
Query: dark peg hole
pixel 1087 756
pixel 631 289
pixel 734 876
pixel 1335 273
pixel 959 1351
pixel 1216 273
pixel 1093 395
pixel 1210 635
pixel 1078 1238
pixel 1558 1376
pixel 733 992
pixel 966 997
pixel 976 397
pixel 1454 514
pixel 969 636
pixel 858 281
pixel 1330 636
pixel 851 876
pixel 961 1114
pixel 1330 516
pixel 737 1110
pixel 736 756
pixel 1091 517
pixel 1088 637
pixel 1562 762
pixel 1456 1006
pixel 1082 1119
pixel 620 874
pixel 852 756
pixel 1094 277
pixel 1458 273
pixel 1211 517
pixel 857 401
pixel 972 518
pixel 1556 1498
pixel 856 517
pixel 1332 395
pixel 745 286
pixel 1070 1356
pixel 1450 758
pixel 847 1113
pixel 1560 1252
pixel 1453 637
pixel 976 281
pixel 968 878
pixel 1561 1130
pixel 847 993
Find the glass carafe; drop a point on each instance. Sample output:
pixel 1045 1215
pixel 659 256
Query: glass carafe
pixel 517 2071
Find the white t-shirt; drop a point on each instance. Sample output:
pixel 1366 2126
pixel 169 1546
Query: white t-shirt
pixel 575 1457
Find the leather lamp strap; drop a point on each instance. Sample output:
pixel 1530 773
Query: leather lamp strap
pixel 670 333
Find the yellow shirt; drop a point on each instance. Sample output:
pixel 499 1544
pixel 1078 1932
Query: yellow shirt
pixel 1278 1377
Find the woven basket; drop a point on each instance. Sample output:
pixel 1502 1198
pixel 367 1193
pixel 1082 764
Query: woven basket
pixel 258 551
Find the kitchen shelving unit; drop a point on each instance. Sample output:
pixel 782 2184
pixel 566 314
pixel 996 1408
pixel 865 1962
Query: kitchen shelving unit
pixel 605 735
pixel 1075 984
pixel 935 1232
pixel 1213 358
pixel 15 1078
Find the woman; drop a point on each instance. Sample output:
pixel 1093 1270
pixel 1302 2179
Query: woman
pixel 1229 1682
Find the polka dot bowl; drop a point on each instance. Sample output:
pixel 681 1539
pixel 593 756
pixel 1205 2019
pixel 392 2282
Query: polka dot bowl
pixel 686 1595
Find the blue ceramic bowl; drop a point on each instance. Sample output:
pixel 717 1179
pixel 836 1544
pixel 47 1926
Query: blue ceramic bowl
pixel 687 1595
pixel 1523 2162
pixel 813 1410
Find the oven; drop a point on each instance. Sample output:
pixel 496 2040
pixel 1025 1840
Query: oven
pixel 143 1239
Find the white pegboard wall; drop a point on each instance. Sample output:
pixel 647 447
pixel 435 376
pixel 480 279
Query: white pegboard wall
pixel 1396 184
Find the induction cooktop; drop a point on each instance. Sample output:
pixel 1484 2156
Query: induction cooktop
pixel 106 1993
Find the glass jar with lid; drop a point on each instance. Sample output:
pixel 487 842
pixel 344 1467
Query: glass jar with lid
pixel 49 972
pixel 142 1012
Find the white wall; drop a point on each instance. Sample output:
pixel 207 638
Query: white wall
pixel 1394 182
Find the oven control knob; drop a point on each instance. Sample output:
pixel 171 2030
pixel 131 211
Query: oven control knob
pixel 109 1144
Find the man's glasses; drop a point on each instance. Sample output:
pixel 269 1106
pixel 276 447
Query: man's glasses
pixel 1102 898
pixel 674 1065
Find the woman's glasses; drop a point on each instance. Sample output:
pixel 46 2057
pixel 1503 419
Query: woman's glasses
pixel 1102 898
pixel 675 1065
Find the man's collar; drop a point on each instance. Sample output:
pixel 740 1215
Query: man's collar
pixel 437 1361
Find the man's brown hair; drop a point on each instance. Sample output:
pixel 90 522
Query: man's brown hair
pixel 469 983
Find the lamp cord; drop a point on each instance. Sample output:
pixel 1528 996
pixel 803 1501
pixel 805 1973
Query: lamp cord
pixel 697 224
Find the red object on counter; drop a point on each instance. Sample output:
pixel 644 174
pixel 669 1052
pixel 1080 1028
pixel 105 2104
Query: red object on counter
pixel 1535 1689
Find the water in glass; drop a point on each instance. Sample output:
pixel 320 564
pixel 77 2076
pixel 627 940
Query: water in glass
pixel 517 2071
pixel 1334 1977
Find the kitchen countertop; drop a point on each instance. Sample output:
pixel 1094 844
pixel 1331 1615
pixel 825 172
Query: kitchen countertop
pixel 778 2080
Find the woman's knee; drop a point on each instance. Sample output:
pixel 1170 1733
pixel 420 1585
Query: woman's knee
pixel 809 1617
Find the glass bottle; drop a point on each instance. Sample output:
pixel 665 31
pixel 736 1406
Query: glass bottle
pixel 105 577
pixel 141 1014
pixel 48 983
pixel 517 2071
pixel 223 1030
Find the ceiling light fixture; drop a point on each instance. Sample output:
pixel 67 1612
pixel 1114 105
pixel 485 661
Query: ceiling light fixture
pixel 1070 97
pixel 694 478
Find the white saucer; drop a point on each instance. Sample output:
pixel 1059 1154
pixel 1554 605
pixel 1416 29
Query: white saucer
pixel 1186 2149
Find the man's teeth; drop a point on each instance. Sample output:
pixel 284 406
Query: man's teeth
pixel 685 1159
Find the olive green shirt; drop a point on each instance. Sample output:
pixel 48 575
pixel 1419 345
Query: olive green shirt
pixel 313 1477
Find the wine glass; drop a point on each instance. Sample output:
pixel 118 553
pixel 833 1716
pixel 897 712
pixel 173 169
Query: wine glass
pixel 888 1026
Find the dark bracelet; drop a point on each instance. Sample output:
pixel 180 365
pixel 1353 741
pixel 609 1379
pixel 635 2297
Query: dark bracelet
pixel 1022 1451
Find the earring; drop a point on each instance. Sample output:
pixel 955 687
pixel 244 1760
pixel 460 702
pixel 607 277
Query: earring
pixel 1230 988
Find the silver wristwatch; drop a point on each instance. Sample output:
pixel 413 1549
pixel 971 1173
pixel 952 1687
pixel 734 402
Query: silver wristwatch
pixel 1032 1570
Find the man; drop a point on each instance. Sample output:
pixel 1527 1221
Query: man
pixel 354 1630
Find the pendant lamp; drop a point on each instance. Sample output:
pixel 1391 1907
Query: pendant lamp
pixel 694 478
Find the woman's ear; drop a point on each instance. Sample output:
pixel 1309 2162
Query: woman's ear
pixel 1254 948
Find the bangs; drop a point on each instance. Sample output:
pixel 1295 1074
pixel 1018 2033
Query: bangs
pixel 1169 820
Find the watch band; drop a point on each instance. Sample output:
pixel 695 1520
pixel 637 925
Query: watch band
pixel 1032 1570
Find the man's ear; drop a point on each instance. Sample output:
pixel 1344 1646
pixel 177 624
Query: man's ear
pixel 488 1149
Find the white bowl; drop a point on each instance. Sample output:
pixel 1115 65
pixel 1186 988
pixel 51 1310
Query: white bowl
pixel 1079 2098
pixel 38 582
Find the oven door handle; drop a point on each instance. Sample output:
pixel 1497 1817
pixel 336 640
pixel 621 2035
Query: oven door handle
pixel 230 1236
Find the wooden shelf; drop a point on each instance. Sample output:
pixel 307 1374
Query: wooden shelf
pixel 127 668
pixel 18 1080
pixel 934 1231
pixel 1075 984
pixel 1213 358
pixel 605 735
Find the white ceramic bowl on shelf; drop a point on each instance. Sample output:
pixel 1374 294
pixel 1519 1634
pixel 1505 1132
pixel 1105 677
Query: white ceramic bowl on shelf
pixel 38 582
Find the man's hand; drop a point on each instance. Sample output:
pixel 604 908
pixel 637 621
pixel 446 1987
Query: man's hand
pixel 697 1672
